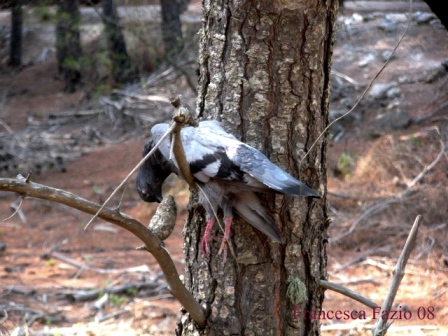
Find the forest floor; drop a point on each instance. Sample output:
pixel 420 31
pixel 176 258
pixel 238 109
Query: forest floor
pixel 375 154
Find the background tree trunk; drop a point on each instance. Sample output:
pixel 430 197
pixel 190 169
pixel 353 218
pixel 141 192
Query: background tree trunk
pixel 264 72
pixel 15 55
pixel 121 64
pixel 68 43
pixel 171 27
pixel 183 5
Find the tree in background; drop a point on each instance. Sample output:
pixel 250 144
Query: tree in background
pixel 68 43
pixel 183 5
pixel 15 55
pixel 264 72
pixel 171 27
pixel 122 71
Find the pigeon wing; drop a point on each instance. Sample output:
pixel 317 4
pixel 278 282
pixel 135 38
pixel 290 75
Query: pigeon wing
pixel 204 148
pixel 259 167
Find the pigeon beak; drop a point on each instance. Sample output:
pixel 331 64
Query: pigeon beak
pixel 159 198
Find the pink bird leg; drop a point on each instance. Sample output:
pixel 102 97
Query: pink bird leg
pixel 225 239
pixel 205 243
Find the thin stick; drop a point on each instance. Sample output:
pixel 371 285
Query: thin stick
pixel 380 326
pixel 372 209
pixel 16 209
pixel 411 185
pixel 70 261
pixel 347 292
pixel 182 117
pixel 364 92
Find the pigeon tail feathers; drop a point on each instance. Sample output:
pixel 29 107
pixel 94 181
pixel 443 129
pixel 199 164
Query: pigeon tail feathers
pixel 248 206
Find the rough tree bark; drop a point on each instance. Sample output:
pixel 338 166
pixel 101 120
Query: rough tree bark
pixel 15 52
pixel 121 64
pixel 68 43
pixel 264 70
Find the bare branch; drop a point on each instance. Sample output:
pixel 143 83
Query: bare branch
pixel 153 243
pixel 347 292
pixel 355 281
pixel 372 209
pixel 380 326
pixel 182 117
pixel 70 261
pixel 88 295
pixel 346 78
pixel 411 185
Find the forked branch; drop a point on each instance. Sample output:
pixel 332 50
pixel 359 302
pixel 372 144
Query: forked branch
pixel 153 243
pixel 381 325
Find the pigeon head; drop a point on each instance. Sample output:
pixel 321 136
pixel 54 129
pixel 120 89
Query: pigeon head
pixel 152 174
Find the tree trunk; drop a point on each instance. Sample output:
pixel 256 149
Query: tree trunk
pixel 264 70
pixel 68 43
pixel 15 55
pixel 183 5
pixel 171 27
pixel 121 64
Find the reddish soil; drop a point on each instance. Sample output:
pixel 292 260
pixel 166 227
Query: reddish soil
pixel 381 161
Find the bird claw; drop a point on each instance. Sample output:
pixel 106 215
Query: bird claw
pixel 223 247
pixel 205 246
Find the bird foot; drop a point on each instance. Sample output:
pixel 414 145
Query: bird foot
pixel 205 243
pixel 223 247
pixel 225 240
pixel 205 246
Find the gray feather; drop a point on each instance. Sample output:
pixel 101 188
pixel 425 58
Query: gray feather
pixel 257 165
pixel 249 207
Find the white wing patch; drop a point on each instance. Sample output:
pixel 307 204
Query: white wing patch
pixel 211 170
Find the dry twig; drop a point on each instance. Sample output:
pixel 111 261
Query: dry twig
pixel 17 210
pixel 411 185
pixel 381 325
pixel 362 256
pixel 83 295
pixel 347 292
pixel 84 266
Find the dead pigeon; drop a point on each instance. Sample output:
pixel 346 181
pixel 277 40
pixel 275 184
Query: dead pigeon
pixel 227 172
